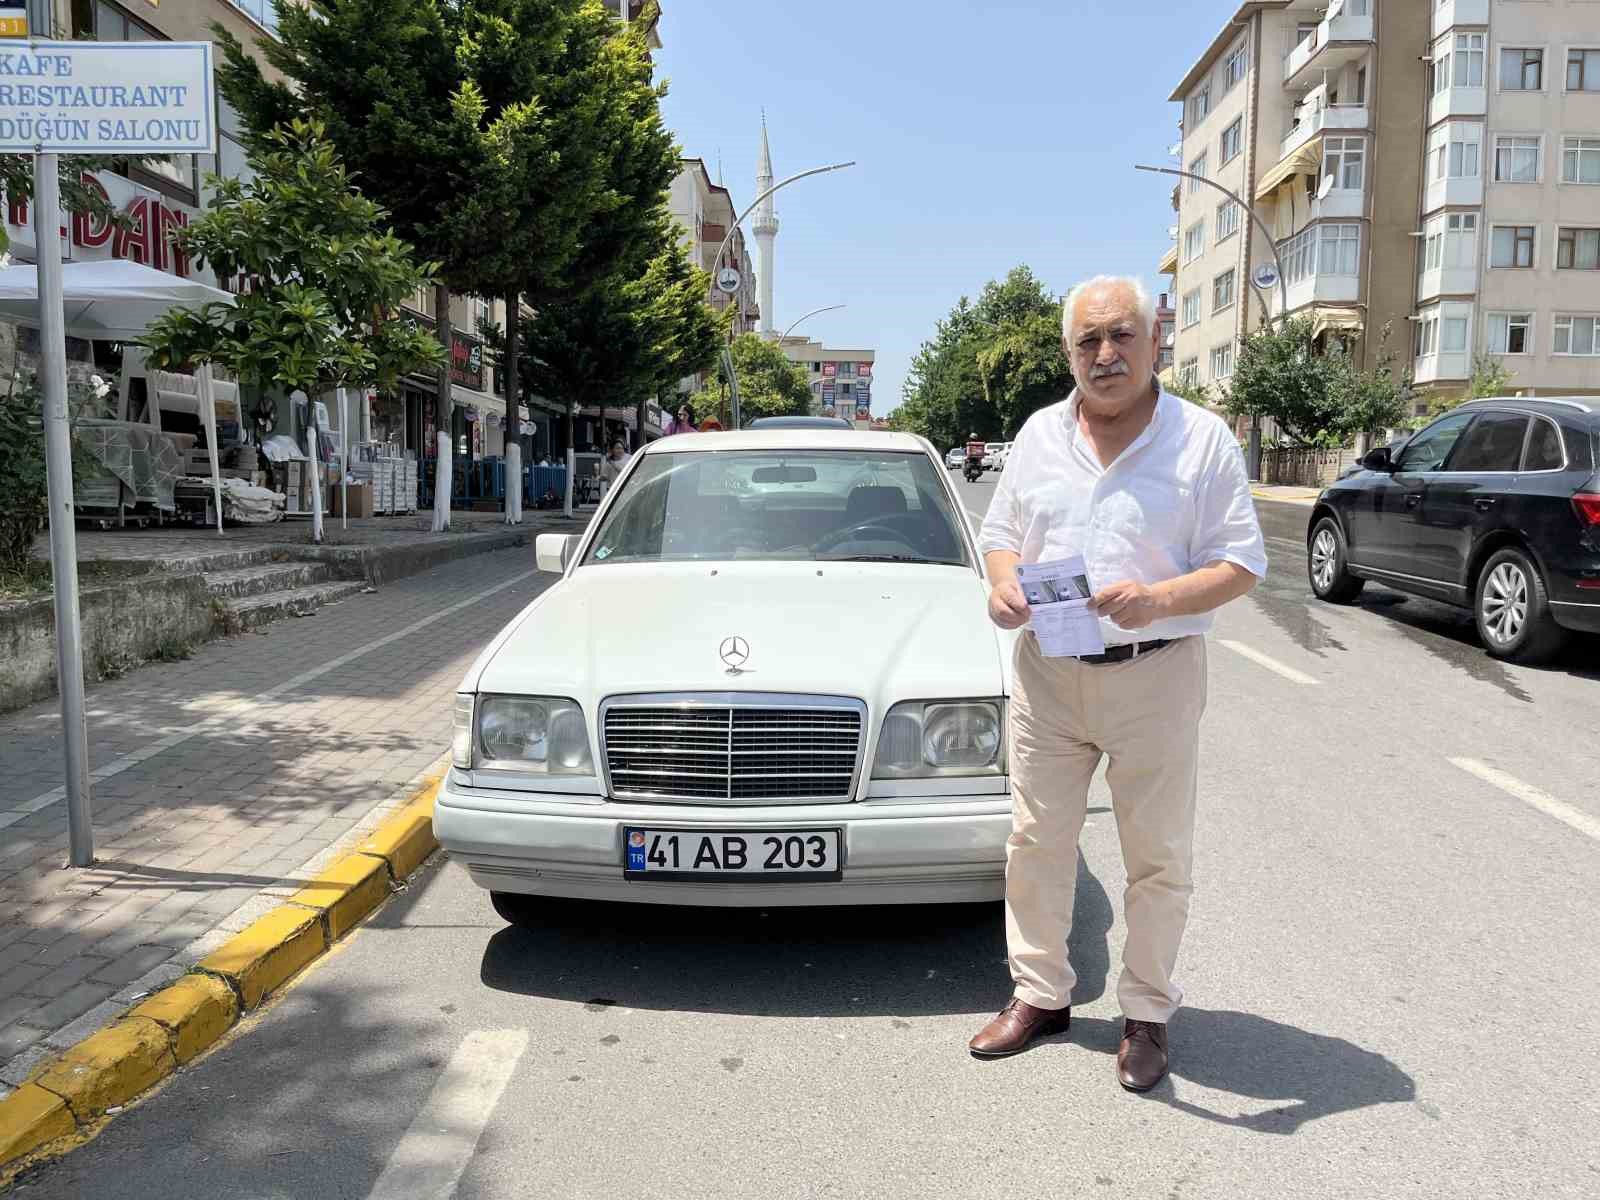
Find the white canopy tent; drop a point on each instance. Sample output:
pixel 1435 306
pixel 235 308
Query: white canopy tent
pixel 117 300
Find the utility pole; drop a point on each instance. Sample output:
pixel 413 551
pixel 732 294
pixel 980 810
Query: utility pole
pixel 58 465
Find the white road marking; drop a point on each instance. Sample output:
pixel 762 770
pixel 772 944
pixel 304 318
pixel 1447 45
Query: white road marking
pixel 1532 796
pixel 428 1162
pixel 226 716
pixel 1270 663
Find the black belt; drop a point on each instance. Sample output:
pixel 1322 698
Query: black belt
pixel 1116 654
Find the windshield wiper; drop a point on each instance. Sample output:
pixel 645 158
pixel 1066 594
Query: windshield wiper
pixel 900 558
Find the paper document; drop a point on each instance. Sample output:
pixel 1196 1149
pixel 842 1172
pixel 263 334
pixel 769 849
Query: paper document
pixel 1058 593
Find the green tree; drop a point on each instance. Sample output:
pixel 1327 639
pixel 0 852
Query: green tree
pixel 1193 391
pixel 327 278
pixel 770 385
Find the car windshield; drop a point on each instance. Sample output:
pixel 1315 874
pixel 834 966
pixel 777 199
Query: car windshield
pixel 804 505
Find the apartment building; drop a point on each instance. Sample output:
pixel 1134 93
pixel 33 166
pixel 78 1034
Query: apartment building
pixel 1167 326
pixel 1509 227
pixel 1312 113
pixel 840 380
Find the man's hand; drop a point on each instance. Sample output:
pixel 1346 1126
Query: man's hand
pixel 1129 604
pixel 1008 607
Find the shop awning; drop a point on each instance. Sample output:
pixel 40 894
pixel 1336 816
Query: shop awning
pixel 1169 261
pixel 1343 320
pixel 1307 160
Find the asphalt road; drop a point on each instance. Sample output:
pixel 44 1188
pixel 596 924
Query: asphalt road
pixel 1390 968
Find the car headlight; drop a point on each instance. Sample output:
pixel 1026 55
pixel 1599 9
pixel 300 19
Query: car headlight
pixel 941 738
pixel 525 733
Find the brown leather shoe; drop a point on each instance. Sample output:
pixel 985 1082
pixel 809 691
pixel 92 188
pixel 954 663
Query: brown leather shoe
pixel 1142 1057
pixel 1016 1025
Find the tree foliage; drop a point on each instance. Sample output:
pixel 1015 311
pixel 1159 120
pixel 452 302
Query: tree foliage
pixel 1315 399
pixel 326 278
pixel 770 385
pixel 989 366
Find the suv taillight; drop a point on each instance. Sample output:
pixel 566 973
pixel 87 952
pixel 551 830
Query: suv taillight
pixel 1587 506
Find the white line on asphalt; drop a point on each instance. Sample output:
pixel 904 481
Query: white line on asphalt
pixel 428 1162
pixel 1530 795
pixel 1268 662
pixel 134 757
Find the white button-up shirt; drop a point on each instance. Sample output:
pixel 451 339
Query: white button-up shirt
pixel 1174 501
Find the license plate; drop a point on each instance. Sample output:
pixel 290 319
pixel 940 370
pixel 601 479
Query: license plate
pixel 811 855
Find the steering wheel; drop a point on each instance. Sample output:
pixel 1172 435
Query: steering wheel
pixel 856 533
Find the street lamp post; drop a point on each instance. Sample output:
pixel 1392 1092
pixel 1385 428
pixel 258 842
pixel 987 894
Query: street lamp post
pixel 1283 285
pixel 785 334
pixel 727 358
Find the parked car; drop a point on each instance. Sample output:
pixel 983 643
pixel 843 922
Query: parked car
pixel 1002 455
pixel 957 456
pixel 1359 465
pixel 1495 506
pixel 711 755
pixel 990 449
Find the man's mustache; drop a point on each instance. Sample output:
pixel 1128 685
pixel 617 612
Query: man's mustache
pixel 1106 372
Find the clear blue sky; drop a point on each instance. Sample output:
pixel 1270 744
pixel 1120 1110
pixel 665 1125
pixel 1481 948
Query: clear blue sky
pixel 987 135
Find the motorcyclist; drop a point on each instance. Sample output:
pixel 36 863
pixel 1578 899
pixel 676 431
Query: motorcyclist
pixel 975 453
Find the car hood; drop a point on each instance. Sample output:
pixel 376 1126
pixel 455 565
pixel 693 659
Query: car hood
pixel 878 632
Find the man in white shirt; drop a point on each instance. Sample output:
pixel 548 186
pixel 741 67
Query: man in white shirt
pixel 1153 492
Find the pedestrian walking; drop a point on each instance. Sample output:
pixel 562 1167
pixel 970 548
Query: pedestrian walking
pixel 612 465
pixel 1153 493
pixel 682 421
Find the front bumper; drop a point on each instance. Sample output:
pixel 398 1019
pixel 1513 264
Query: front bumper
pixel 901 851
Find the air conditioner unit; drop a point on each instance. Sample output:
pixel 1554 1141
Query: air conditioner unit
pixel 1174 150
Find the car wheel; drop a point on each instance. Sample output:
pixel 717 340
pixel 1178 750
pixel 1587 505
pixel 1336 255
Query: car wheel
pixel 516 908
pixel 1512 609
pixel 1327 565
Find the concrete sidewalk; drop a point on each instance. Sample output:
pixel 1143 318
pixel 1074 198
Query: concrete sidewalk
pixel 1284 494
pixel 222 783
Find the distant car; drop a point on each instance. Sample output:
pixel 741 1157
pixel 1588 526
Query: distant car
pixel 799 423
pixel 1002 456
pixel 990 449
pixel 1494 507
pixel 955 458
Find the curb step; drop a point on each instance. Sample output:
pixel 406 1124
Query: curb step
pixel 245 582
pixel 260 610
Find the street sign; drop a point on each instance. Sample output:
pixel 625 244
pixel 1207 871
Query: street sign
pixel 728 280
pixel 14 18
pixel 107 98
pixel 1265 276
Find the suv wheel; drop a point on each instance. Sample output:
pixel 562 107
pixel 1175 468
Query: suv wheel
pixel 1512 608
pixel 1327 564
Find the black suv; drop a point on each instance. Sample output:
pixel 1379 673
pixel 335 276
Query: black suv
pixel 1495 506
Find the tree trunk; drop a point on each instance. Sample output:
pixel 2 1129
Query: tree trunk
pixel 638 423
pixel 445 443
pixel 513 422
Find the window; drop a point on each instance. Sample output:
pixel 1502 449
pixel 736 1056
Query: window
pixel 1299 255
pixel 816 367
pixel 1580 160
pixel 1511 246
pixel 1197 167
pixel 1428 449
pixel 1510 333
pixel 1494 443
pixel 1583 70
pixel 1189 370
pixel 1455 150
pixel 231 161
pixel 1232 139
pixel 263 12
pixel 1344 158
pixel 1545 451
pixel 1234 67
pixel 1222 361
pixel 1577 335
pixel 844 389
pixel 1452 335
pixel 1469 60
pixel 1361 86
pixel 1428 334
pixel 1341 250
pixel 1577 249
pixel 1452 242
pixel 1516 158
pixel 1191 308
pixel 1194 241
pixel 847 370
pixel 1222 291
pixel 1441 68
pixel 1521 70
pixel 1227 219
pixel 1200 105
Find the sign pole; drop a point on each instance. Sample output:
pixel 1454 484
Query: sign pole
pixel 58 466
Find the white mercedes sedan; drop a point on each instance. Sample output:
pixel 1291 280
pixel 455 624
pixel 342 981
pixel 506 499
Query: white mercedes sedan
pixel 766 677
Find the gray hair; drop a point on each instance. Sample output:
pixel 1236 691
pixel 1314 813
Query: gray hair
pixel 1141 295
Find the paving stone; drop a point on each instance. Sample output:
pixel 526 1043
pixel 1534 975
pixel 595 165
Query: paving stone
pixel 67 975
pixel 14 1039
pixel 69 1005
pixel 137 962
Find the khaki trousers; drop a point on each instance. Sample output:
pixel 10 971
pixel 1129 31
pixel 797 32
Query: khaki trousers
pixel 1144 716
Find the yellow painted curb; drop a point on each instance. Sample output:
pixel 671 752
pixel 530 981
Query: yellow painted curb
pixel 406 838
pixel 347 891
pixel 68 1095
pixel 29 1118
pixel 110 1067
pixel 268 952
pixel 196 1010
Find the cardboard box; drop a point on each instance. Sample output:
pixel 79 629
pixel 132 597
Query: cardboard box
pixel 360 495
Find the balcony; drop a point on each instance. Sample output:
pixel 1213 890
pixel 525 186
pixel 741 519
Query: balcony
pixel 1446 281
pixel 1459 12
pixel 1321 264
pixel 1341 38
pixel 1430 368
pixel 1453 192
pixel 1316 116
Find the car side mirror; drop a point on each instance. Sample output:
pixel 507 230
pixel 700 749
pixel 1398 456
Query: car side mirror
pixel 1378 459
pixel 552 551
